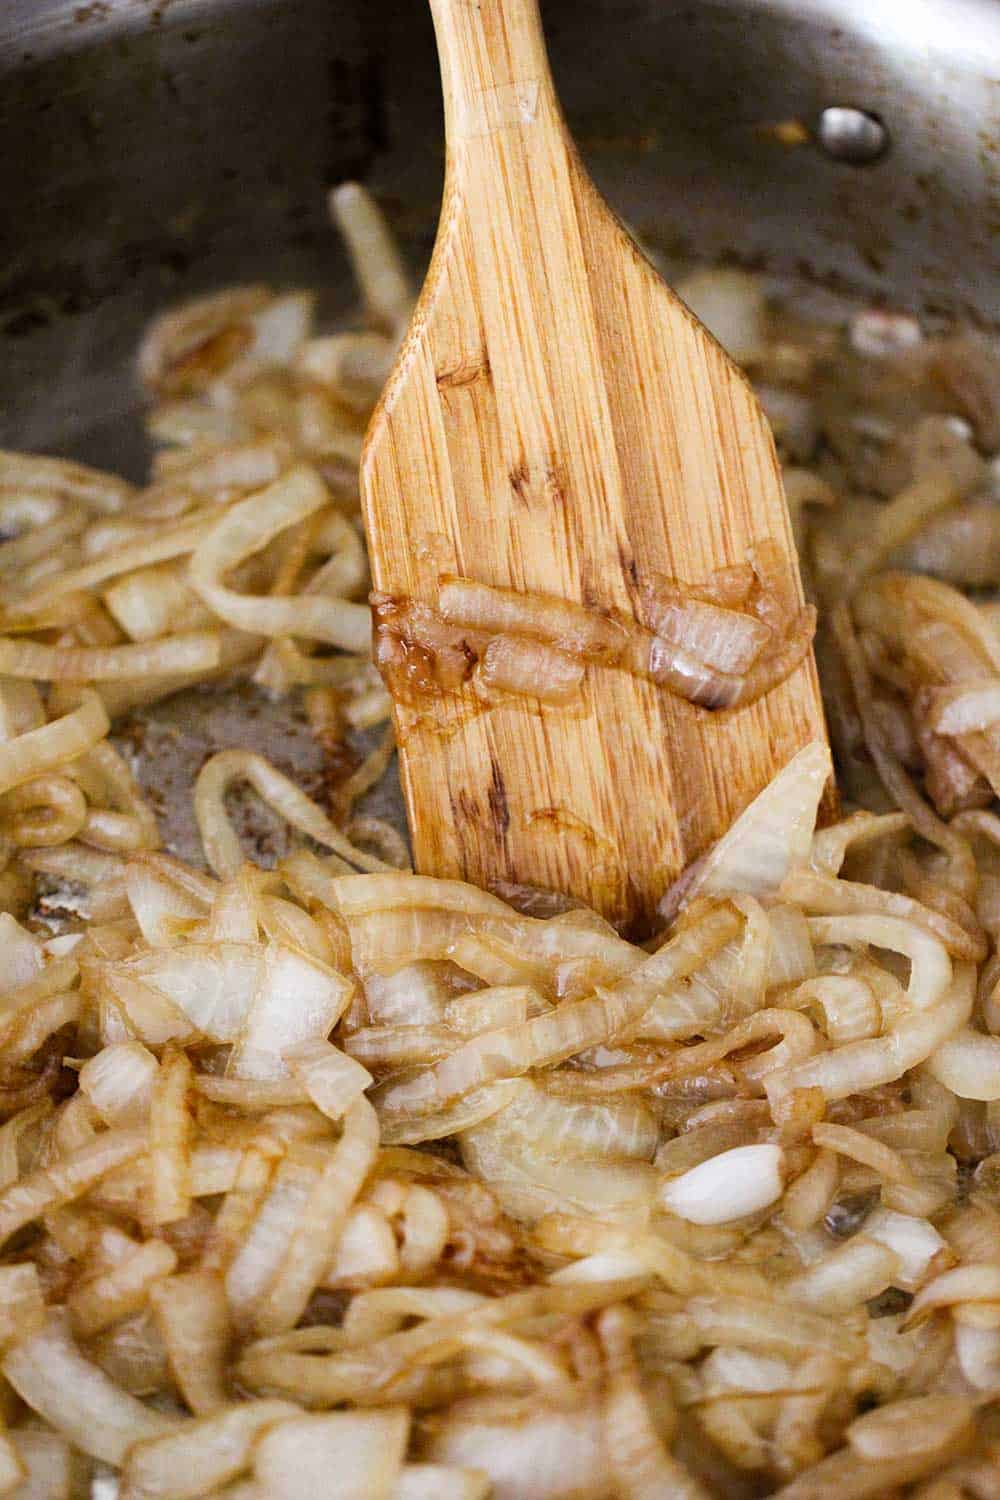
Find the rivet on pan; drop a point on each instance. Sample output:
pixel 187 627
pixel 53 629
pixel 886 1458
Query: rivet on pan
pixel 852 135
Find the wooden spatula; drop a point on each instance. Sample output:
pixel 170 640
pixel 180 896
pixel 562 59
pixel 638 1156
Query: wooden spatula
pixel 559 423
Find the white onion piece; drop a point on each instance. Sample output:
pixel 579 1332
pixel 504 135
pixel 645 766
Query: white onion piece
pixel 33 473
pixel 297 1000
pixel 770 1327
pixel 366 1254
pixel 915 1243
pixel 514 665
pixel 544 1455
pixel 964 1284
pixel 529 1183
pixel 193 1320
pixel 194 651
pixel 199 1456
pixel 161 906
pixel 359 1452
pixel 559 1033
pixel 969 1065
pixel 773 835
pixel 728 1186
pixel 118 1081
pixel 978 1353
pixel 76 1398
pixel 66 1178
pixel 965 709
pixel 214 985
pixel 744 1370
pixel 913 1425
pixel 331 1079
pixel 725 640
pixel 414 995
pixel 354 365
pixel 441 1482
pixel 852 1273
pixel 155 601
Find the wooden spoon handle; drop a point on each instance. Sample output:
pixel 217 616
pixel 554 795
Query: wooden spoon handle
pixel 494 67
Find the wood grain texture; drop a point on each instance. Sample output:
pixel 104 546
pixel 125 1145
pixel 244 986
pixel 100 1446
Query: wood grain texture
pixel 558 422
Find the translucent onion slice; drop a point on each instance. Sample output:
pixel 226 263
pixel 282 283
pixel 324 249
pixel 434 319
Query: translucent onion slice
pixel 161 545
pixel 219 838
pixel 118 1081
pixel 641 1464
pixel 623 1129
pixel 196 651
pixel 773 835
pixel 964 1284
pixel 20 954
pixel 771 1328
pixel 978 1353
pixel 324 1214
pixel 556 1035
pixel 54 744
pixel 818 893
pixel 850 1274
pixel 968 1064
pixel 121 1291
pixel 247 528
pixel 213 985
pixel 193 1318
pixel 162 906
pixel 916 1424
pixel 441 1482
pixel 378 265
pixel 367 1254
pixel 32 473
pixel 170 1133
pixel 155 601
pixel 857 1066
pixel 76 1398
pixel 965 709
pixel 918 1247
pixel 22 1306
pixel 326 1379
pixel 530 1183
pixel 331 1079
pixel 532 1454
pixel 529 668
pixel 296 1000
pixel 365 1451
pixel 62 1181
pixel 199 1456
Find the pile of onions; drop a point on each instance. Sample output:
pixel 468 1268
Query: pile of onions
pixel 333 1169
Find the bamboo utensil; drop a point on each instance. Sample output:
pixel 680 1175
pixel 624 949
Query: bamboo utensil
pixel 559 423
